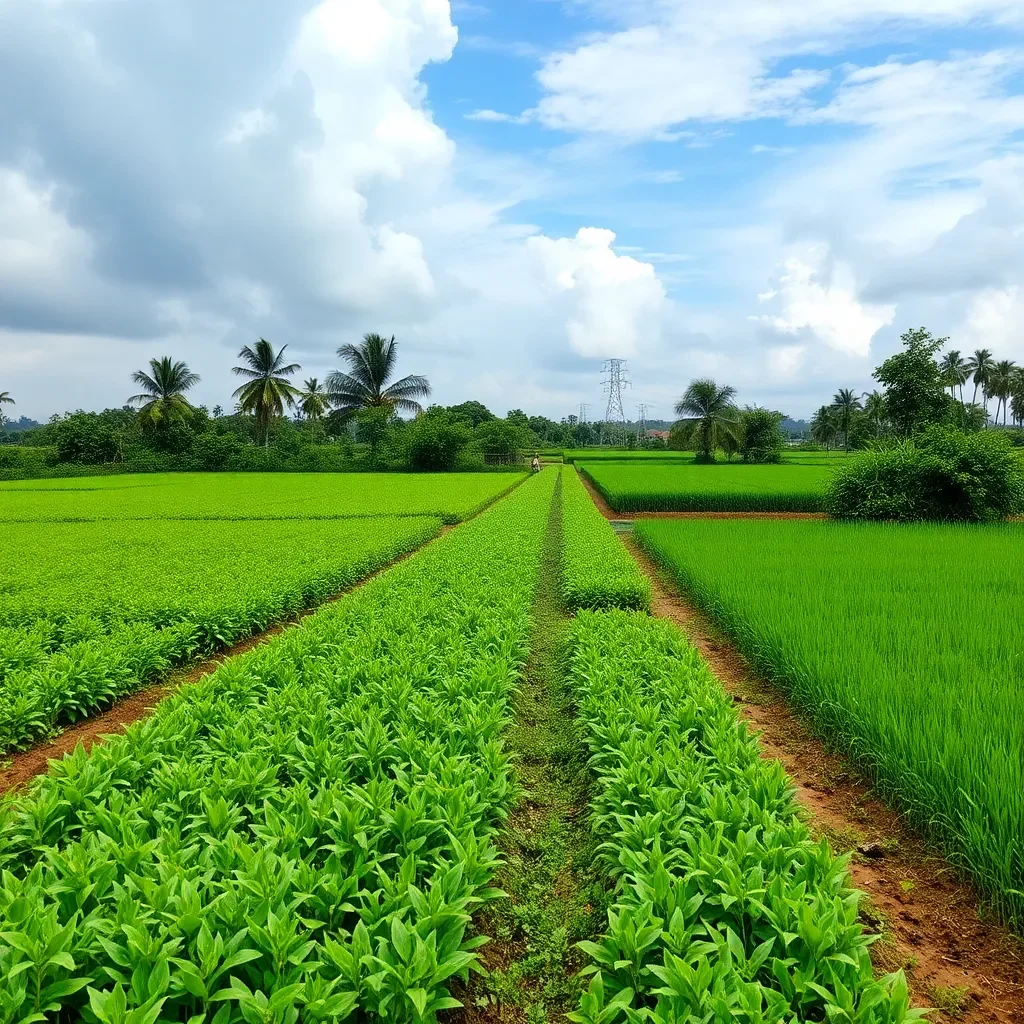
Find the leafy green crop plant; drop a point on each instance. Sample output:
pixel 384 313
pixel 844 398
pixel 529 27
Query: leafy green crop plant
pixel 726 909
pixel 92 611
pixel 302 835
pixel 597 571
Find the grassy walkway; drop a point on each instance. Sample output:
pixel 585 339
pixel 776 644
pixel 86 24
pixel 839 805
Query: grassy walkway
pixel 556 895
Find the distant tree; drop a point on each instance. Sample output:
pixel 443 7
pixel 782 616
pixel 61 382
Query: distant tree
pixel 218 411
pixel 473 413
pixel 760 438
pixel 710 414
pixel 825 426
pixel 874 411
pixel 915 393
pixel 518 417
pixel 163 400
pixel 502 438
pixel 1000 385
pixel 954 373
pixel 371 365
pixel 846 405
pixel 978 367
pixel 265 392
pixel 89 438
pixel 313 402
pixel 5 398
pixel 1017 397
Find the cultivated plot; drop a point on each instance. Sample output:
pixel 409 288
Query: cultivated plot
pixel 654 487
pixel 451 496
pixel 903 641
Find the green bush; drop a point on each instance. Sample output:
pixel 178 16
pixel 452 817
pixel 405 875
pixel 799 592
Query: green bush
pixel 436 441
pixel 941 474
pixel 761 440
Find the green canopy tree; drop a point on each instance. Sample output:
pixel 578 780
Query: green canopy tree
pixel 266 391
pixel 915 392
pixel 977 368
pixel 709 414
pixel 313 402
pixel 162 400
pixel 846 405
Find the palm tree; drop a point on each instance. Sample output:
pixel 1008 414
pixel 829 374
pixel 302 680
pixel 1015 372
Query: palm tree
pixel 874 410
pixel 978 367
pixel 1017 397
pixel 313 402
pixel 825 426
pixel 266 392
pixel 370 366
pixel 846 404
pixel 710 415
pixel 163 398
pixel 1000 384
pixel 5 398
pixel 954 373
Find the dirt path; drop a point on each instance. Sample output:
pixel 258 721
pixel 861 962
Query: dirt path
pixel 556 892
pixel 932 921
pixel 20 767
pixel 609 513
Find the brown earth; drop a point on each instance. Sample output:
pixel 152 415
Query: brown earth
pixel 933 923
pixel 22 766
pixel 609 513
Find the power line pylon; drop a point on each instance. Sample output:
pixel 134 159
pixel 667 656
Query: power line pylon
pixel 615 381
pixel 641 423
pixel 583 412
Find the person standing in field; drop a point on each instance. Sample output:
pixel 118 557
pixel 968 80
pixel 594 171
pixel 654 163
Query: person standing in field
pixel 535 465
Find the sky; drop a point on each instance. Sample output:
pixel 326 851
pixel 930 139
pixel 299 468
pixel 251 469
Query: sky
pixel 767 192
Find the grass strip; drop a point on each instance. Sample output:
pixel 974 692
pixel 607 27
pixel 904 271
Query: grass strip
pixel 597 570
pixel 725 908
pixel 303 833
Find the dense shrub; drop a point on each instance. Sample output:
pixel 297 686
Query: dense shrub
pixel 761 437
pixel 437 441
pixel 941 473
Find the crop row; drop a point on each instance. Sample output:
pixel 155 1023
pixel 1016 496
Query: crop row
pixel 597 571
pixel 657 487
pixel 725 908
pixel 303 832
pixel 904 644
pixel 92 611
pixel 243 496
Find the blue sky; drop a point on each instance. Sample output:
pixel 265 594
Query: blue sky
pixel 764 191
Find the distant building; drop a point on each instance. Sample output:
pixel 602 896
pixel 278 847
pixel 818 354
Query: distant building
pixel 660 434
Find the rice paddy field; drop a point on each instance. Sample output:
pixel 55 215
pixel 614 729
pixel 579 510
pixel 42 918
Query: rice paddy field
pixel 237 496
pixel 656 486
pixel 904 643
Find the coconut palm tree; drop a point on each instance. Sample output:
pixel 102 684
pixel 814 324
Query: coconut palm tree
pixel 709 415
pixel 163 398
pixel 313 402
pixel 954 372
pixel 977 368
pixel 874 410
pixel 371 364
pixel 825 426
pixel 1000 384
pixel 5 398
pixel 1017 397
pixel 265 392
pixel 846 405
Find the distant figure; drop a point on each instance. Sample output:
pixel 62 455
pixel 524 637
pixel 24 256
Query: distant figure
pixel 535 465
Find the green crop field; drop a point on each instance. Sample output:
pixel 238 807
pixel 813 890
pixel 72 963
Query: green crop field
pixel 905 642
pixel 451 496
pixel 654 487
pixel 90 611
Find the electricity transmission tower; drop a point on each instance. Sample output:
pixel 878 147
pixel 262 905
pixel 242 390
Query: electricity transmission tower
pixel 641 422
pixel 613 385
pixel 583 412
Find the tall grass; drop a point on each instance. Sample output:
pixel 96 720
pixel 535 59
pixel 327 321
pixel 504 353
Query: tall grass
pixel 906 645
pixel 646 487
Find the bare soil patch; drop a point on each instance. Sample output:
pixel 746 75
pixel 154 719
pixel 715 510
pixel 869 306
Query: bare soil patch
pixel 933 923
